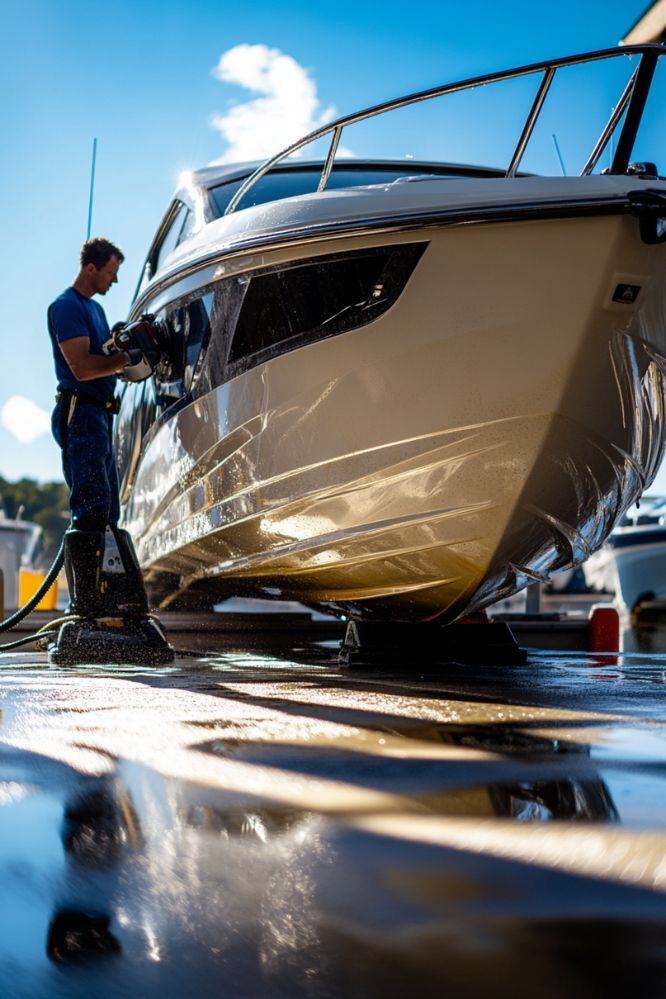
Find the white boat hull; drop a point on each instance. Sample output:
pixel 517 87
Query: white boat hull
pixel 635 573
pixel 485 431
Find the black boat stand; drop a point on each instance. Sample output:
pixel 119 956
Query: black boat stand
pixel 381 643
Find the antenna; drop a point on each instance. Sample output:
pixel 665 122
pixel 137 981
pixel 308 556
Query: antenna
pixel 92 186
pixel 559 155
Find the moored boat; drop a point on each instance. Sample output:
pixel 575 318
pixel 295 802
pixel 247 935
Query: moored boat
pixel 632 562
pixel 19 542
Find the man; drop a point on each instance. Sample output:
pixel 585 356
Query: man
pixel 82 426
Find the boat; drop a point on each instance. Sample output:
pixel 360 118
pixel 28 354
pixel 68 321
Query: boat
pixel 399 390
pixel 632 562
pixel 19 547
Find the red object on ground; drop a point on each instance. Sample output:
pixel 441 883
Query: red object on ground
pixel 603 630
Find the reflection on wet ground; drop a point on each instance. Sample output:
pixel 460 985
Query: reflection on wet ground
pixel 260 822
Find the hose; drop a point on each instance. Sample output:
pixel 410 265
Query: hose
pixel 27 640
pixel 46 631
pixel 22 612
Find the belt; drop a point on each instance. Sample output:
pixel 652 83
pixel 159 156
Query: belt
pixel 76 395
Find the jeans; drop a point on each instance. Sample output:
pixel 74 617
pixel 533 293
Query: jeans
pixel 88 463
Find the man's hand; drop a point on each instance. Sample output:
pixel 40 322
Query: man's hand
pixel 86 366
pixel 141 335
pixel 139 340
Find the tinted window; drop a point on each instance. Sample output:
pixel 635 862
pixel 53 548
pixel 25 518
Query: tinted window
pixel 288 307
pixel 287 184
pixel 128 431
pixel 196 332
pixel 187 329
pixel 212 367
pixel 169 372
pixel 148 407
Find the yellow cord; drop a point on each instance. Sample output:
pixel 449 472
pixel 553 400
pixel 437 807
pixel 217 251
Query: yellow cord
pixel 57 622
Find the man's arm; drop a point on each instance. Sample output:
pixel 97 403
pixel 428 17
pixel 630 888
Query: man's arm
pixel 86 366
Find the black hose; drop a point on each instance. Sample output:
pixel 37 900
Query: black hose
pixel 28 639
pixel 22 612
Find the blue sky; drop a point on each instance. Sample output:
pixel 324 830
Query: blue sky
pixel 139 76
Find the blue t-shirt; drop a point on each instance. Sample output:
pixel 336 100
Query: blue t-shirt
pixel 72 315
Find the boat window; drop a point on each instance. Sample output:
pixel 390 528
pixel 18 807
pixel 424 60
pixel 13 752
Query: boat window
pixel 128 432
pixel 287 307
pixel 169 372
pixel 148 407
pixel 196 332
pixel 647 518
pixel 170 238
pixel 289 183
pixel 211 369
pixel 144 279
pixel 187 327
pixel 180 227
pixel 187 227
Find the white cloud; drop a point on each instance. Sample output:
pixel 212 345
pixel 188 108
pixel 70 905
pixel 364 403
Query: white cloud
pixel 24 419
pixel 287 107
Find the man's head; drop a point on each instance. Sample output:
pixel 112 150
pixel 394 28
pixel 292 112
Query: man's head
pixel 100 260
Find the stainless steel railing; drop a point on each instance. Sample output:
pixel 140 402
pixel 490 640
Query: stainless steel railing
pixel 632 101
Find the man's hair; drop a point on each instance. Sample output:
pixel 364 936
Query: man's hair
pixel 98 251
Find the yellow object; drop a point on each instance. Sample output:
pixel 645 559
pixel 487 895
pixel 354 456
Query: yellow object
pixel 29 583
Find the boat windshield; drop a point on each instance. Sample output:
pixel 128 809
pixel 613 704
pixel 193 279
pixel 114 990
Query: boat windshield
pixel 525 119
pixel 651 511
pixel 289 183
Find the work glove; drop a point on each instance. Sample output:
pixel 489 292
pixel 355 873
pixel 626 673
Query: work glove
pixel 140 341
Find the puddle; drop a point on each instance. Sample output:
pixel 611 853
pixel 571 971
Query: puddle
pixel 253 826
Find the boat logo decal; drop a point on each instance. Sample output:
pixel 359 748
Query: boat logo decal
pixel 626 293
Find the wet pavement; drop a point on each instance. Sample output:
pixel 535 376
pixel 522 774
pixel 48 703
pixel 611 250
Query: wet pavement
pixel 260 822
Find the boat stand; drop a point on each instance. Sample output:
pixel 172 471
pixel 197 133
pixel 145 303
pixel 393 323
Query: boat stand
pixel 474 641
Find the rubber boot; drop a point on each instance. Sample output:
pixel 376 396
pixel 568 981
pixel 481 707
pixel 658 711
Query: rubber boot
pixel 83 561
pixel 134 600
pixel 99 596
